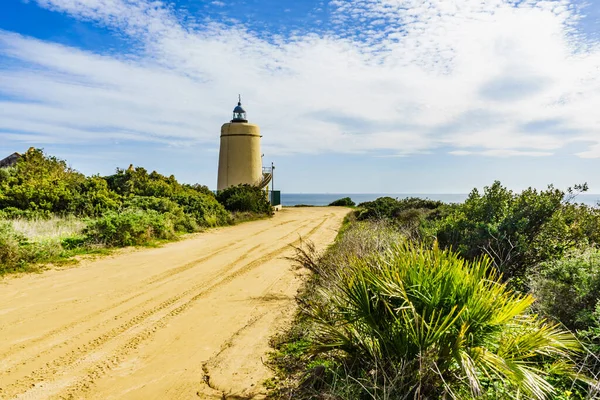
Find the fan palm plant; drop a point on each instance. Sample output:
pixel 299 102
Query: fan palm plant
pixel 436 326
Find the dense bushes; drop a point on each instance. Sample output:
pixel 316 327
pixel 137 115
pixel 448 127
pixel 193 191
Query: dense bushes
pixel 39 185
pixel 343 202
pixel 130 227
pixel 569 289
pixel 44 183
pixel 206 210
pixel 413 216
pixel 243 198
pixel 390 209
pixel 130 207
pixel 503 225
pixel 516 230
pixel 182 222
pixel 381 316
pixel 196 201
pixel 387 319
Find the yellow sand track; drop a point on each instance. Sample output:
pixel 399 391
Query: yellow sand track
pixel 188 320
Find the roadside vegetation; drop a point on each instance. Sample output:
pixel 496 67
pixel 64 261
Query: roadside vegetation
pixel 343 202
pixel 494 298
pixel 49 212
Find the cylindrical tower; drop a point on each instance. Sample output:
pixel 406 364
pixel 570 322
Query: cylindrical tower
pixel 240 160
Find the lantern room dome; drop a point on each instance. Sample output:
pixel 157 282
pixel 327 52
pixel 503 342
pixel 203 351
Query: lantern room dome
pixel 239 109
pixel 239 114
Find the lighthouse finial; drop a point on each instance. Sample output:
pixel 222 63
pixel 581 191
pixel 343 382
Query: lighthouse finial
pixel 239 99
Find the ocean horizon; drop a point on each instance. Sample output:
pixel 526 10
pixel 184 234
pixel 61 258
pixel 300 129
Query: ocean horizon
pixel 323 199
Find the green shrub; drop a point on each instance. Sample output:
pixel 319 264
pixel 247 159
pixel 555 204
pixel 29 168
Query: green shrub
pixel 73 242
pixel 44 183
pixel 592 337
pixel 381 208
pixel 569 289
pixel 343 202
pixel 197 202
pixel 518 230
pixel 94 198
pixel 572 227
pixel 414 217
pixel 182 222
pixel 130 227
pixel 40 186
pixel 16 213
pixel 426 324
pixel 138 182
pixel 205 210
pixel 245 198
pixel 390 208
pixel 202 189
pixel 46 250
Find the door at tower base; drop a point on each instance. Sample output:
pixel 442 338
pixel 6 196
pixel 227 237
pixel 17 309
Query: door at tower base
pixel 275 197
pixel 240 160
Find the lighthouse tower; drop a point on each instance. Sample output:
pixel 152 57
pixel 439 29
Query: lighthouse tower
pixel 240 160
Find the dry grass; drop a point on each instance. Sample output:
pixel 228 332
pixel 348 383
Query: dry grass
pixel 38 230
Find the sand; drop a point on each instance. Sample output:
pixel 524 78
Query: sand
pixel 191 319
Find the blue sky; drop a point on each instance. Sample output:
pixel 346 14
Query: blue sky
pixel 395 96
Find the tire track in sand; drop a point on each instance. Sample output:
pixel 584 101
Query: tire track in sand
pixel 143 290
pixel 86 354
pixel 161 276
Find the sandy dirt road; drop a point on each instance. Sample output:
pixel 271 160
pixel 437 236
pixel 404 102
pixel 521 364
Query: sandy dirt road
pixel 158 323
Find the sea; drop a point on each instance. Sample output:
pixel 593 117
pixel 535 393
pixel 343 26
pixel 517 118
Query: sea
pixel 323 199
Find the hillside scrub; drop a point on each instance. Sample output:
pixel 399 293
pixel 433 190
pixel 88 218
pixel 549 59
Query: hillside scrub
pixel 50 211
pixel 382 318
pixel 182 221
pixel 516 230
pixel 568 291
pixel 130 228
pixel 245 198
pixel 343 202
pixel 416 218
pixel 381 314
pixel 195 200
pixel 47 184
pixel 389 208
pixel 519 230
pixel 40 185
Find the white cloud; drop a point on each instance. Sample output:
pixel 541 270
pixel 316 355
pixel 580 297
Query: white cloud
pixel 485 78
pixel 501 153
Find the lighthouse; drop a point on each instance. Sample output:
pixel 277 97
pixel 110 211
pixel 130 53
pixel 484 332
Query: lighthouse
pixel 240 159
